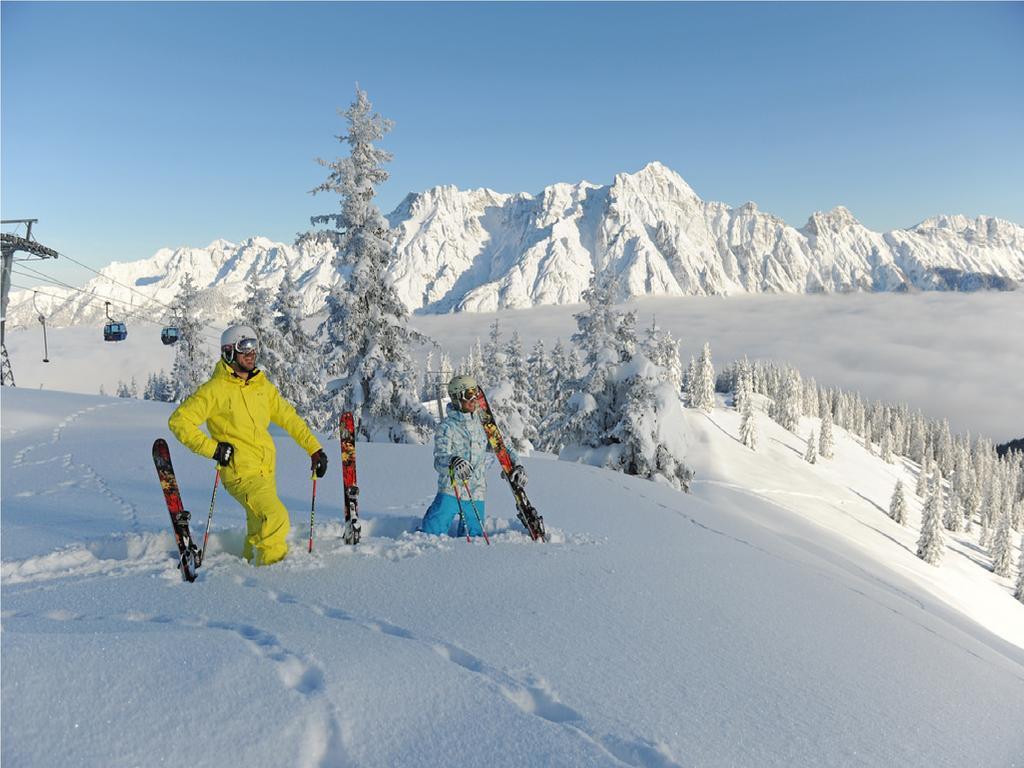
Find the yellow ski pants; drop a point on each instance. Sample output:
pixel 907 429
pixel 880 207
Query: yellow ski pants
pixel 266 518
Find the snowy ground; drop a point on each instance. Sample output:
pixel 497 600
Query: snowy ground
pixel 773 617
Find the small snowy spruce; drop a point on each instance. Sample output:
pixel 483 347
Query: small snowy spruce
pixel 1019 591
pixel 1002 547
pixel 826 443
pixel 787 405
pixel 701 393
pixel 811 454
pixel 931 543
pixel 748 426
pixel 898 504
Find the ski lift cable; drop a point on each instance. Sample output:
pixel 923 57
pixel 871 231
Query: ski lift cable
pixel 130 312
pixel 146 318
pixel 117 282
pixel 91 297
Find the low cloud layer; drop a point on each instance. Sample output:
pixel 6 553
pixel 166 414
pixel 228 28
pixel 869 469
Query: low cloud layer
pixel 955 355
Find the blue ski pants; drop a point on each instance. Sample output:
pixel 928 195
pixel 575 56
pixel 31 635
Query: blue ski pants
pixel 444 509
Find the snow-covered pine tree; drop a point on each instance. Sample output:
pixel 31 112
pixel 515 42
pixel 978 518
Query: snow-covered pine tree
pixel 1002 547
pixel 364 338
pixel 510 398
pixel 157 388
pixel 748 426
pixel 886 450
pixel 606 337
pixel 122 389
pixel 648 440
pixel 494 367
pixel 931 543
pixel 662 349
pixel 565 368
pixel 702 383
pixel 922 477
pixel 689 376
pixel 826 443
pixel 538 372
pixel 787 406
pixel 953 518
pixel 809 398
pixel 811 454
pixel 293 353
pixel 898 504
pixel 1019 591
pixel 192 365
pixel 917 440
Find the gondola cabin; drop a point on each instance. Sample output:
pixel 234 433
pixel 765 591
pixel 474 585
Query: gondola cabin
pixel 115 332
pixel 170 335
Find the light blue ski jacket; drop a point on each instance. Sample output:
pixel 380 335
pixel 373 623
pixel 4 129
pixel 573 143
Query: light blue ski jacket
pixel 462 434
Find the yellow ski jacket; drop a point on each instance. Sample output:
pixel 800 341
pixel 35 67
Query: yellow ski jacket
pixel 239 412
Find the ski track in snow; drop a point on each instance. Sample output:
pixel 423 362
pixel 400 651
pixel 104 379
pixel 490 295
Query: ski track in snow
pixel 86 474
pixel 531 694
pixel 324 743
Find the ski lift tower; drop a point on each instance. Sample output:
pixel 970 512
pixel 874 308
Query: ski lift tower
pixel 9 245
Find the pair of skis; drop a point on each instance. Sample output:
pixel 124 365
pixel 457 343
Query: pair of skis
pixel 190 557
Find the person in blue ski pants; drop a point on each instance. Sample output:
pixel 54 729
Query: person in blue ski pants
pixel 460 446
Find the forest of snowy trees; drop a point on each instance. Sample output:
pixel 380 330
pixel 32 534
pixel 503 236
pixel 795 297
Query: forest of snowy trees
pixel 614 396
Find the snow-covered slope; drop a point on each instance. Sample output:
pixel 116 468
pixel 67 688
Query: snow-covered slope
pixel 480 250
pixel 772 617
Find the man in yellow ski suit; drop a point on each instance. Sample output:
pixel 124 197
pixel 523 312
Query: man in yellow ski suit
pixel 238 403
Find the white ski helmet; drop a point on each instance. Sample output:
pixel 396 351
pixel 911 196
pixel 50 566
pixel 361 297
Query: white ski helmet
pixel 460 384
pixel 238 338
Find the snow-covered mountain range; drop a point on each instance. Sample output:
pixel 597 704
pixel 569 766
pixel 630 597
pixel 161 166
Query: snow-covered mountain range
pixel 480 250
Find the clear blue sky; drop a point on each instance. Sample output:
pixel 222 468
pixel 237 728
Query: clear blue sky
pixel 127 127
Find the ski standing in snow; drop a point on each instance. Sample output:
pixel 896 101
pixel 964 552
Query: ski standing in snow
pixel 353 530
pixel 189 558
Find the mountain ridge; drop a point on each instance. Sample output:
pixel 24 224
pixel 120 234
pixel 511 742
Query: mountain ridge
pixel 481 250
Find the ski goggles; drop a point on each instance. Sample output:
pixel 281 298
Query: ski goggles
pixel 467 394
pixel 247 347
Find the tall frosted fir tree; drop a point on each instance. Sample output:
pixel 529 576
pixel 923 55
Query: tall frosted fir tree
pixel 931 543
pixel 898 504
pixel 364 339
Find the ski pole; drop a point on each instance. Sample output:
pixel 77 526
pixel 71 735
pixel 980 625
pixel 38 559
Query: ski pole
pixel 476 512
pixel 462 515
pixel 312 514
pixel 209 517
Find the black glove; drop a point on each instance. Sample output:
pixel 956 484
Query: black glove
pixel 318 462
pixel 461 468
pixel 224 453
pixel 517 476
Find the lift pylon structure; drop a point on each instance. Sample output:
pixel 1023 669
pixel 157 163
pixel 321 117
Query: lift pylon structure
pixel 9 245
